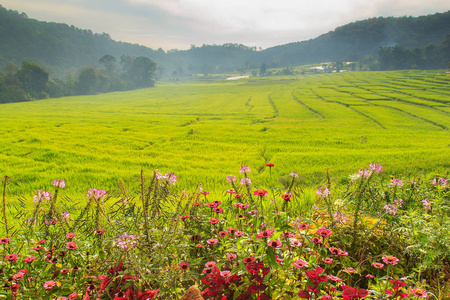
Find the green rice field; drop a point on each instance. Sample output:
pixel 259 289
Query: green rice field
pixel 205 130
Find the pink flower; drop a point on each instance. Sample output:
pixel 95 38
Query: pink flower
pixel 316 240
pixel 327 260
pixel 96 194
pixel 225 274
pixel 323 192
pixel 300 263
pixel 274 244
pixel 70 235
pixel 334 278
pixel 294 175
pixel 59 183
pixel 323 232
pixel 237 196
pixel 419 293
pixel 231 179
pixel 126 241
pixel 377 265
pixel 65 215
pixel 5 240
pixel 349 270
pixel 231 191
pixel 246 181
pixel 204 193
pixel 303 226
pixel 29 259
pixel 390 260
pixel 375 168
pixel 41 196
pixel 212 241
pixel 260 193
pixel 295 243
pixel 213 221
pixel 11 257
pixel 71 245
pixel 231 256
pixel 184 266
pixel 49 285
pixel 396 182
pixel 238 233
pixel 223 233
pixel 73 296
pixel 244 169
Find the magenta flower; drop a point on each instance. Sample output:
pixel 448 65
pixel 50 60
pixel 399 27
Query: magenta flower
pixel 260 193
pixel 184 217
pixel 11 257
pixel 420 293
pixel 231 256
pixel 223 233
pixel 396 182
pixel 29 259
pixel 5 240
pixel 210 264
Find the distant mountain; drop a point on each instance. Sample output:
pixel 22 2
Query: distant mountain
pixel 61 48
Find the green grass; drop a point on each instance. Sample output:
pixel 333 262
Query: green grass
pixel 205 130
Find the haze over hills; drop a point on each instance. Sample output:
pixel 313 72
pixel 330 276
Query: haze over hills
pixel 61 48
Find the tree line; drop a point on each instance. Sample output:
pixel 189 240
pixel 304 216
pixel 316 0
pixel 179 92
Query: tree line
pixel 32 81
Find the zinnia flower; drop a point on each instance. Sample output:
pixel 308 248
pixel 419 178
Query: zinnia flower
pixel 377 265
pixel 5 240
pixel 212 241
pixel 300 263
pixel 390 260
pixel 71 245
pixel 11 257
pixel 260 193
pixel 70 235
pixel 184 266
pixel 29 259
pixel 49 285
pixel 323 232
pixel 274 244
pixel 419 293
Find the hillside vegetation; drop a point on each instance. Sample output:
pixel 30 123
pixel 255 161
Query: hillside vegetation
pixel 61 49
pixel 201 130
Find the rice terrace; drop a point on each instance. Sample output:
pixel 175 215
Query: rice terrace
pixel 201 130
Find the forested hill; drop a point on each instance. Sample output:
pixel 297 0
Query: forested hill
pixel 61 48
pixel 356 40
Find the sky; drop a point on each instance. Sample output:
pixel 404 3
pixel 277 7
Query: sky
pixel 178 24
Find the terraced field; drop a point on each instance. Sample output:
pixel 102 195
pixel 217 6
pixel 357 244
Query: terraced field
pixel 205 130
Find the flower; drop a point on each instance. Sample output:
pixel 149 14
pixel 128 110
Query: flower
pixel 287 197
pixel 274 244
pixel 212 241
pixel 225 274
pixel 231 179
pixel 210 264
pixel 126 241
pixel 96 194
pixel 49 285
pixel 61 298
pixel 324 232
pixel 231 191
pixel 339 217
pixel 377 265
pixel 11 257
pixel 300 263
pixel 426 204
pixel 390 260
pixel 40 242
pixel 270 165
pixel 260 193
pixel 71 245
pixel 390 209
pixel 327 260
pixel 294 175
pixel 41 196
pixel 99 232
pixel 323 192
pixel 73 296
pixel 350 270
pixel 396 182
pixel 244 169
pixel 237 196
pixel 223 233
pixel 5 240
pixel 64 271
pixel 376 168
pixel 231 256
pixel 303 226
pixel 65 215
pixel 370 276
pixel 213 221
pixel 218 210
pixel 59 183
pixel 295 243
pixel 249 259
pixel 184 266
pixel 419 293
pixel 334 278
pixel 70 235
pixel 184 217
pixel 29 259
pixel 18 276
pixel 316 240
pixel 204 193
pixel 246 181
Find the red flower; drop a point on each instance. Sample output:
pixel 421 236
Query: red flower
pixel 40 242
pixel 205 193
pixel 270 165
pixel 260 193
pixel 148 295
pixel 286 197
pixel 274 244
pixel 303 294
pixel 249 259
pixel 213 221
pixel 99 232
pixel 350 293
pixel 5 240
pixel 11 257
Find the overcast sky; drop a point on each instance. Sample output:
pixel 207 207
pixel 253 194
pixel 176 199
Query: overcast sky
pixel 170 24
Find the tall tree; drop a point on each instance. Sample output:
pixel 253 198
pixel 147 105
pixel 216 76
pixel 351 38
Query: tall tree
pixel 33 78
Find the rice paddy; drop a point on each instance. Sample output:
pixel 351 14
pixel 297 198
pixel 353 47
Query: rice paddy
pixel 201 130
